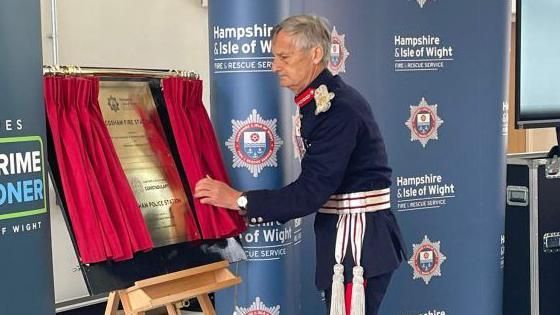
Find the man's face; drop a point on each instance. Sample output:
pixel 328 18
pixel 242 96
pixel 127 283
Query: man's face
pixel 295 67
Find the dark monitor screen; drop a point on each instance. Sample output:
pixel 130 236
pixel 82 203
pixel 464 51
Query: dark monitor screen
pixel 537 63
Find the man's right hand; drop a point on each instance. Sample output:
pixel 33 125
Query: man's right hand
pixel 216 193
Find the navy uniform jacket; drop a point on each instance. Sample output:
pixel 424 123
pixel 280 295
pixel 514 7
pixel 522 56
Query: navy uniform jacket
pixel 345 153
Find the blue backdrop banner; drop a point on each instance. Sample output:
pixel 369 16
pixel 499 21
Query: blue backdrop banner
pixel 254 129
pixel 26 264
pixel 435 73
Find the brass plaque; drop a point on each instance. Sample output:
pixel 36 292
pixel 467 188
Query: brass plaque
pixel 130 114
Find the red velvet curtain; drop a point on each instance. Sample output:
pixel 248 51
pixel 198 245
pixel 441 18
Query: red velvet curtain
pixel 199 152
pixel 160 147
pixel 87 231
pixel 105 217
pixel 123 203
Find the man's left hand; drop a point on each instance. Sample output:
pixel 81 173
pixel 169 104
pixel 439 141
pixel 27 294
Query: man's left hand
pixel 216 193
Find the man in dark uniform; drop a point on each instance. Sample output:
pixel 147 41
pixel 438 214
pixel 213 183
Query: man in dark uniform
pixel 344 176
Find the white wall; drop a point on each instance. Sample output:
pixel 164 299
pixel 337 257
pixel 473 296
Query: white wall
pixel 151 34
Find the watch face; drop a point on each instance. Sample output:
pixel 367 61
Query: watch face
pixel 242 201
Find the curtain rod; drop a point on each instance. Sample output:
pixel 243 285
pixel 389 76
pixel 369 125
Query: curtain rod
pixel 116 72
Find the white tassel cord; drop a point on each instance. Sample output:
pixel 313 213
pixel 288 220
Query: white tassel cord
pixel 338 306
pixel 358 292
pixel 358 304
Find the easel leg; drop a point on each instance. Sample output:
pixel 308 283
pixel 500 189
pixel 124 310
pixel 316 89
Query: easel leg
pixel 125 303
pixel 206 304
pixel 112 304
pixel 171 310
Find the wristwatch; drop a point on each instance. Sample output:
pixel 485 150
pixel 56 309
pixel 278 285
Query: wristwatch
pixel 242 204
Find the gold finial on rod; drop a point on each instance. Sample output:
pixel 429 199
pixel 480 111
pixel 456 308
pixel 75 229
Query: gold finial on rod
pixel 72 70
pixel 52 70
pixel 185 74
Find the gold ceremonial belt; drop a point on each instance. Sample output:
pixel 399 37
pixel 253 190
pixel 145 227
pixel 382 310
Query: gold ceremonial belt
pixel 358 202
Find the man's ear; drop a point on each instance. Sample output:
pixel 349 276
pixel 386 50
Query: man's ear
pixel 318 54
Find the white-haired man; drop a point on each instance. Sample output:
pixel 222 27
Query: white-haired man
pixel 344 176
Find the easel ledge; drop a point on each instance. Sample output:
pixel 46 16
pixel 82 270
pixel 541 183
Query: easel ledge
pixel 171 289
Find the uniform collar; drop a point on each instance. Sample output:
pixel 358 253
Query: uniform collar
pixel 306 96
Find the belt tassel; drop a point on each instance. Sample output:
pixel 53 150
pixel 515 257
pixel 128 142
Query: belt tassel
pixel 338 306
pixel 358 304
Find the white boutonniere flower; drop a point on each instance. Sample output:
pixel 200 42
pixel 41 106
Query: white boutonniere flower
pixel 322 99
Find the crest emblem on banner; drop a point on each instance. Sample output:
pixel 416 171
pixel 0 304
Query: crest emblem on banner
pixel 426 260
pixel 423 122
pixel 421 3
pixel 254 143
pixel 339 53
pixel 257 308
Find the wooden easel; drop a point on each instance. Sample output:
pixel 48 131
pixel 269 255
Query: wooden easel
pixel 171 289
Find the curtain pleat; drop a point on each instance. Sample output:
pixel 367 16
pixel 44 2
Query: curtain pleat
pixel 199 152
pixel 105 217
